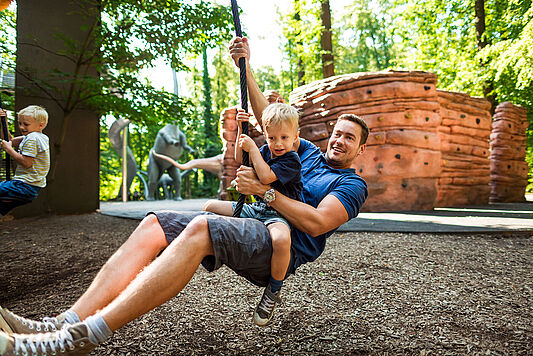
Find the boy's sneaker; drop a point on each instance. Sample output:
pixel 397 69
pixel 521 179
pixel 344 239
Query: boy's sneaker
pixel 265 309
pixel 72 341
pixel 13 324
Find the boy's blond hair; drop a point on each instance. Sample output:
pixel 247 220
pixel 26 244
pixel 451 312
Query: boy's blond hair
pixel 35 112
pixel 276 113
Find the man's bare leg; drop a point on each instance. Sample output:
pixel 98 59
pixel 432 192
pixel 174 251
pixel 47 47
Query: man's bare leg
pixel 164 278
pixel 137 252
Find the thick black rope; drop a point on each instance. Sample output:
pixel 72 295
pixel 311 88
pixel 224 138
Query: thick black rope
pixel 5 131
pixel 244 99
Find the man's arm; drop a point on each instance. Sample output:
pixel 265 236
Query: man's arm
pixel 328 215
pixel 239 48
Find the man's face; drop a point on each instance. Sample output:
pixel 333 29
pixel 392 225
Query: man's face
pixel 344 144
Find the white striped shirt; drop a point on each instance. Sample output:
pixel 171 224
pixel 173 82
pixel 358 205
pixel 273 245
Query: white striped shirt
pixel 36 145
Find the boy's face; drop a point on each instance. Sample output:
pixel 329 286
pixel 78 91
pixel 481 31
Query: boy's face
pixel 281 138
pixel 28 125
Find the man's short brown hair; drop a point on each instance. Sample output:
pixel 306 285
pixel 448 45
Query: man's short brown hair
pixel 360 122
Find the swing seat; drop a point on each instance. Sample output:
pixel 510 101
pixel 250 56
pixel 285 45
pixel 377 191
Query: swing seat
pixel 9 203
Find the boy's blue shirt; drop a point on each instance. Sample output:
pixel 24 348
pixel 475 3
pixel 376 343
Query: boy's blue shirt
pixel 320 180
pixel 287 169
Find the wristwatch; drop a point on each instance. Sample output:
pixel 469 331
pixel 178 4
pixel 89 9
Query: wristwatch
pixel 270 196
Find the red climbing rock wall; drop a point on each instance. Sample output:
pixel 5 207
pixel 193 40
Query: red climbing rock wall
pixel 426 148
pixel 464 136
pixel 508 168
pixel 402 161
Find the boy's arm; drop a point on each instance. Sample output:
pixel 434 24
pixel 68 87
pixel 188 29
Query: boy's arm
pixel 24 161
pixel 265 174
pixel 328 215
pixel 15 141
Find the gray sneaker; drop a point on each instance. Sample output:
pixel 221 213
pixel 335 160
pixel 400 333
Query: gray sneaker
pixel 265 309
pixel 72 340
pixel 13 324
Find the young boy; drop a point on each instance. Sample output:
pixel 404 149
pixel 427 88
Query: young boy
pixel 278 165
pixel 32 158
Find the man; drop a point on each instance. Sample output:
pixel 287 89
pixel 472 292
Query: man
pixel 133 281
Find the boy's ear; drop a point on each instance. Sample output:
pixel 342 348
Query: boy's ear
pixel 42 125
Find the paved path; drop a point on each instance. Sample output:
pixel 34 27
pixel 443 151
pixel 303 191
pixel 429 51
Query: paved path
pixel 492 218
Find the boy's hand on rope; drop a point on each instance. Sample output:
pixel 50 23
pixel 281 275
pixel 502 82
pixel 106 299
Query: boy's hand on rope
pixel 246 143
pixel 238 47
pixel 6 145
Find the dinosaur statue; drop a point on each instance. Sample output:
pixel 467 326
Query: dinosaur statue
pixel 171 142
pixel 115 136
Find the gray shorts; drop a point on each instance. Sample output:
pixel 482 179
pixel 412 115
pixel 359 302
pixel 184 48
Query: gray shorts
pixel 262 212
pixel 244 245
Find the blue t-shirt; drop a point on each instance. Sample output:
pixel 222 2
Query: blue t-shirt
pixel 320 180
pixel 287 169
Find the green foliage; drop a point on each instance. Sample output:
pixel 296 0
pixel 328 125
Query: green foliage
pixel 365 39
pixel 301 43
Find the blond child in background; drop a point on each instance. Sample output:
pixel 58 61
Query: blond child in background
pixel 276 164
pixel 32 159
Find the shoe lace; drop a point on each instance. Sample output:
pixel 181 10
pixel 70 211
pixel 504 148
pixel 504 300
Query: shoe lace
pixel 266 304
pixel 48 324
pixel 47 343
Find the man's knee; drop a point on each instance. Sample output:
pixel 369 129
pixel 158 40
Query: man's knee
pixel 149 233
pixel 197 233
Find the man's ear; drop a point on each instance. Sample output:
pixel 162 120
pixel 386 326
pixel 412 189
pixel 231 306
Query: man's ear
pixel 362 149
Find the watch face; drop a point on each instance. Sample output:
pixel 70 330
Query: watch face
pixel 269 196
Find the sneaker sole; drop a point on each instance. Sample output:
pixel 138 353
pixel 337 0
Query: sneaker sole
pixel 4 326
pixel 260 322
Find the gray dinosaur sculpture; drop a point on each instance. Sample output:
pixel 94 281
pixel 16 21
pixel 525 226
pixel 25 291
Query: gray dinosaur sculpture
pixel 115 136
pixel 171 142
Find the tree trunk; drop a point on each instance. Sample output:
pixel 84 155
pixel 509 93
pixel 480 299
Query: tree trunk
pixel 299 44
pixel 482 42
pixel 328 64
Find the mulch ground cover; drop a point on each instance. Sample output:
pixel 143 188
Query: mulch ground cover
pixel 369 293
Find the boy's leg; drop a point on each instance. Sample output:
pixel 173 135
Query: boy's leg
pixel 219 207
pixel 281 245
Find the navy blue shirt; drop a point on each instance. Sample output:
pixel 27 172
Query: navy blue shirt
pixel 287 169
pixel 320 180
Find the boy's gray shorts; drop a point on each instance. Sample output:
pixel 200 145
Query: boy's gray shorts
pixel 242 244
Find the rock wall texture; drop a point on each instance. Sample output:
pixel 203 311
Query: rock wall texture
pixel 401 164
pixel 508 168
pixel 464 136
pixel 426 147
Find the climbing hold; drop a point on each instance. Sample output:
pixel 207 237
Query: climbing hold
pixel 426 137
pixel 404 185
pixel 369 91
pixel 478 121
pixel 427 118
pixel 427 87
pixel 463 116
pixel 380 118
pixel 407 115
pixel 397 156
